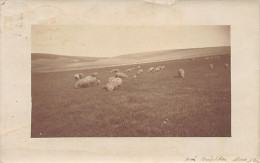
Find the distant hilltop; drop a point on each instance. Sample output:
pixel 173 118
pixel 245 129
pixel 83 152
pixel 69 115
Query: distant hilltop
pixel 50 62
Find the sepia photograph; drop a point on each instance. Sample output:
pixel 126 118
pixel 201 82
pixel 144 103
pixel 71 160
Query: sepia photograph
pixel 130 81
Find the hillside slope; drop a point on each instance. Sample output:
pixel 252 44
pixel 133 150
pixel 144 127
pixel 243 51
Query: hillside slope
pixel 49 62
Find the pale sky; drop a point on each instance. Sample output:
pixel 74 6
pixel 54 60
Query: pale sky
pixel 109 41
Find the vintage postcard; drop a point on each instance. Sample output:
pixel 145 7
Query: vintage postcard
pixel 129 81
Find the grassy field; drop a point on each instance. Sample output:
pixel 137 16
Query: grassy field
pixel 154 104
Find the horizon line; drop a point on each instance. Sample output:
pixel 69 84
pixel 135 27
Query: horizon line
pixel 128 53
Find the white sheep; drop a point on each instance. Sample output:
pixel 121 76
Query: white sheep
pixel 138 66
pixel 211 66
pixel 113 85
pixel 139 72
pixel 121 75
pixel 94 74
pixel 78 76
pixel 181 73
pixel 128 70
pixel 133 68
pixel 85 82
pixel 150 69
pixel 226 65
pixel 134 76
pixel 157 69
pixel 92 80
pixel 115 70
pixel 192 59
pixel 161 67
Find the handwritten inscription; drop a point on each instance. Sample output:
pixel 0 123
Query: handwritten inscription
pixel 211 158
pixel 240 159
pixel 191 159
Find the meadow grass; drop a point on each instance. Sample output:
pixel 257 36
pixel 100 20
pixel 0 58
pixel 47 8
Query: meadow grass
pixel 153 104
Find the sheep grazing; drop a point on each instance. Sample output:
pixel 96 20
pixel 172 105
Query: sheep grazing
pixel 192 59
pixel 138 66
pixel 206 58
pixel 94 74
pixel 140 71
pixel 150 69
pixel 115 70
pixel 133 68
pixel 121 75
pixel 211 66
pixel 181 73
pixel 78 76
pixel 85 82
pixel 128 70
pixel 226 65
pixel 134 76
pixel 161 67
pixel 113 84
pixel 157 69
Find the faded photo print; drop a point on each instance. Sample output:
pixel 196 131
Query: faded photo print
pixel 130 81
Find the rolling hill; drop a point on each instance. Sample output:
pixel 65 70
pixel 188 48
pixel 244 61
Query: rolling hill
pixel 50 62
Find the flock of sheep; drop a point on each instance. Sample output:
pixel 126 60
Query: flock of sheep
pixel 116 81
